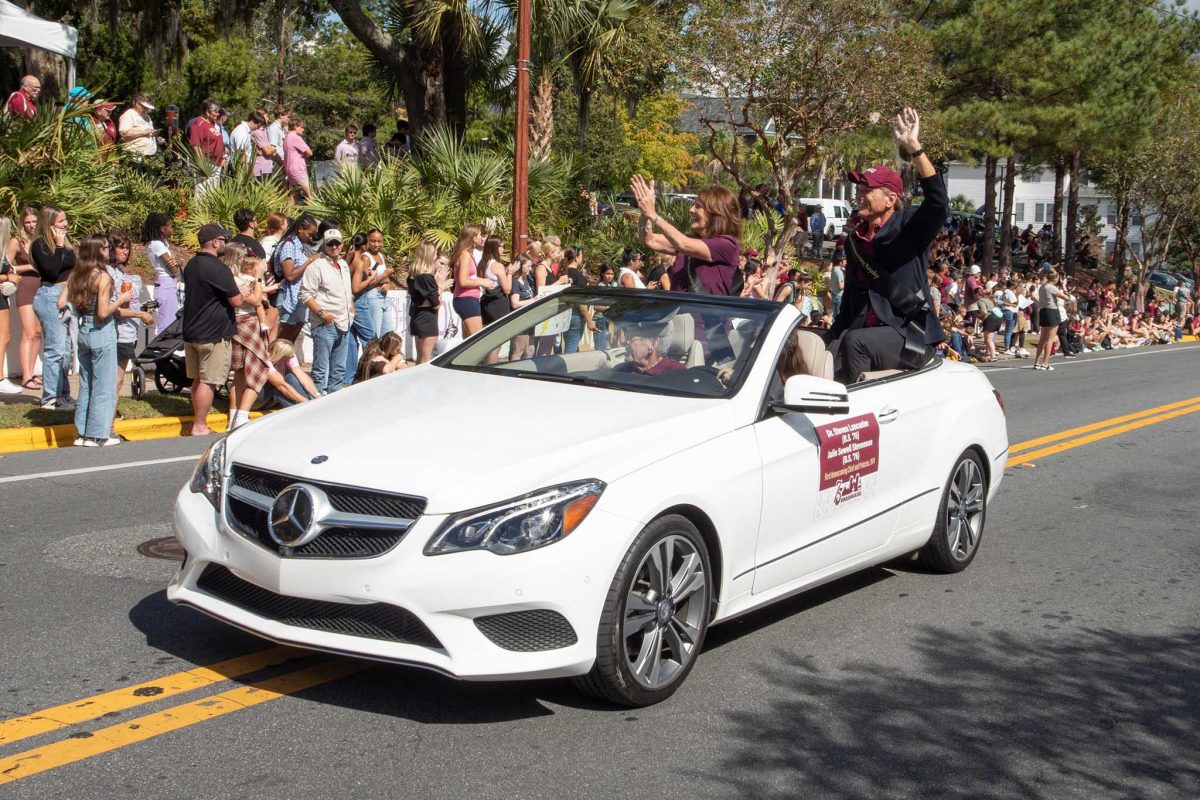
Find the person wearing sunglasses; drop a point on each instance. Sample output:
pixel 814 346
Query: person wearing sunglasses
pixel 326 291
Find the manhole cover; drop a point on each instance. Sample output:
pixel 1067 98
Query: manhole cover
pixel 167 548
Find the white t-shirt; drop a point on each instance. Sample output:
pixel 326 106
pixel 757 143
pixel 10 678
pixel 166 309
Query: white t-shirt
pixel 346 153
pixel 157 249
pixel 241 141
pixel 1005 298
pixel 637 279
pixel 132 121
pixel 269 244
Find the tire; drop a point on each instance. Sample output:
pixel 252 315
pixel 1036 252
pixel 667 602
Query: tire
pixel 137 386
pixel 959 527
pixel 647 665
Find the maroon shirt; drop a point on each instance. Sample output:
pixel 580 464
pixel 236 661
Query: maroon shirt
pixel 19 105
pixel 207 137
pixel 715 276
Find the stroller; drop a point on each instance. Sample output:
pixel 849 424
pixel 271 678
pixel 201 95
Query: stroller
pixel 165 353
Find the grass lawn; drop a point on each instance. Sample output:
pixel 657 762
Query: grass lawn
pixel 24 415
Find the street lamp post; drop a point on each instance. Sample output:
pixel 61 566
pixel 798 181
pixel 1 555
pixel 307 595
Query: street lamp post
pixel 521 150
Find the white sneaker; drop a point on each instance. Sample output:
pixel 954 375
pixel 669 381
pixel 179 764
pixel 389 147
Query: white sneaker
pixel 80 441
pixel 59 404
pixel 111 441
pixel 1048 367
pixel 8 387
pixel 91 443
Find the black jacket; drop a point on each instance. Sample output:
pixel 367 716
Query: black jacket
pixel 900 247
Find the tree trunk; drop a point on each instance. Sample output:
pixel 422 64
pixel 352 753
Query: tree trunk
pixel 281 13
pixel 1060 172
pixel 541 120
pixel 1072 214
pixel 989 212
pixel 1119 246
pixel 454 80
pixel 1006 237
pixel 417 69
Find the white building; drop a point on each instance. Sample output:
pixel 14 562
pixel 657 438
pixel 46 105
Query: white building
pixel 1033 200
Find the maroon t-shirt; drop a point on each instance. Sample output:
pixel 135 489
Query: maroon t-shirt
pixel 715 276
pixel 207 136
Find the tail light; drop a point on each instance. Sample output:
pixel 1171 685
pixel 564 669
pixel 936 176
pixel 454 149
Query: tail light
pixel 999 400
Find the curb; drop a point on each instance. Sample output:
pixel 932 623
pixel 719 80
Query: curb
pixel 20 440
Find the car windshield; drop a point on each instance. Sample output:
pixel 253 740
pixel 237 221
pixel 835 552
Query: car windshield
pixel 634 340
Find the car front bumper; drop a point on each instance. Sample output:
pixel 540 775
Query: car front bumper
pixel 455 596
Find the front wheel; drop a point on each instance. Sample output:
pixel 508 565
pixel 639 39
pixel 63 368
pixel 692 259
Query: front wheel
pixel 959 527
pixel 655 616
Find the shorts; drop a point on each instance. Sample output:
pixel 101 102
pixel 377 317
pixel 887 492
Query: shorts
pixel 209 362
pixel 423 323
pixel 467 307
pixel 26 289
pixel 126 351
pixel 992 323
pixel 1048 318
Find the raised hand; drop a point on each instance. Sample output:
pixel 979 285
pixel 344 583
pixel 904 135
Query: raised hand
pixel 906 129
pixel 643 192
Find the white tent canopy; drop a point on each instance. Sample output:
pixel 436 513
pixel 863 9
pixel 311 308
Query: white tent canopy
pixel 19 28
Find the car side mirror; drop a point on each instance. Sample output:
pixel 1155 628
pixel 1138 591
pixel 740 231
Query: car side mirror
pixel 812 395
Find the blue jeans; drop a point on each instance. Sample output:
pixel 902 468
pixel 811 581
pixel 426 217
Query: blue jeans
pixel 329 356
pixel 574 333
pixel 56 343
pixel 600 335
pixel 363 330
pixel 837 305
pixel 959 344
pixel 377 303
pixel 1010 323
pixel 97 377
pixel 293 382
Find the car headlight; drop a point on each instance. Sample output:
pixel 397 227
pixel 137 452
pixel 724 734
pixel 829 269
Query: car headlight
pixel 208 478
pixel 523 523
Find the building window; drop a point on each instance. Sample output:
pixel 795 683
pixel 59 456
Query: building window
pixel 1136 219
pixel 1136 248
pixel 1111 214
pixel 1039 212
pixel 1019 214
pixel 1035 177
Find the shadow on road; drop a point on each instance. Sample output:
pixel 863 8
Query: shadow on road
pixel 1094 713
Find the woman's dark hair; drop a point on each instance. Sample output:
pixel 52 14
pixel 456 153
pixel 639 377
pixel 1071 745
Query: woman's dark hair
pixel 305 220
pixel 152 227
pixel 491 250
pixel 116 240
pixel 328 224
pixel 569 255
pixel 629 255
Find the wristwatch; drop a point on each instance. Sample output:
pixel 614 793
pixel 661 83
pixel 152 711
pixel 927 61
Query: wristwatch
pixel 915 153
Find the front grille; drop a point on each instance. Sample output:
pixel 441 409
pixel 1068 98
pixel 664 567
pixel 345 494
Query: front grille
pixel 249 519
pixel 251 522
pixel 346 499
pixel 528 631
pixel 371 621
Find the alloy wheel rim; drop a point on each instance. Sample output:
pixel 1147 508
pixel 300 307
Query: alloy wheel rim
pixel 664 612
pixel 964 510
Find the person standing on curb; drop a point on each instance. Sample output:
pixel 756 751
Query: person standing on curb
pixel 210 297
pixel 326 291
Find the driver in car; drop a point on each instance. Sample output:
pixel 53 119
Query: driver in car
pixel 644 344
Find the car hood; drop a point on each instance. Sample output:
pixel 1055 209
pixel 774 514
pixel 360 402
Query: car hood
pixel 463 439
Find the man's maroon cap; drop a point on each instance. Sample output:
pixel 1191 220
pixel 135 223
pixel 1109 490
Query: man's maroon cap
pixel 878 176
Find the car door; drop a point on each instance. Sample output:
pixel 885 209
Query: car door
pixel 907 407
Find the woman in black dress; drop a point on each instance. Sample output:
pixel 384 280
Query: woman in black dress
pixel 424 299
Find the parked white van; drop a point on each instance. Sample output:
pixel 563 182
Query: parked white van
pixel 837 212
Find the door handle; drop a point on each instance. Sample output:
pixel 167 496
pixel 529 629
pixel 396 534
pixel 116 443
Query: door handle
pixel 889 414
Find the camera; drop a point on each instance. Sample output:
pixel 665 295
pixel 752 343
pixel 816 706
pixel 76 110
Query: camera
pixel 150 306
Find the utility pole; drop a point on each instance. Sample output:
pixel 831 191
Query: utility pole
pixel 521 159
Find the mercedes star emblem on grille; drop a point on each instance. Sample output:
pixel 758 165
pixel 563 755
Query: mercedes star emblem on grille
pixel 296 515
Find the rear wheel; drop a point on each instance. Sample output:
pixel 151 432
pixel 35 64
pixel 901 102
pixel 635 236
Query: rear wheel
pixel 655 616
pixel 959 528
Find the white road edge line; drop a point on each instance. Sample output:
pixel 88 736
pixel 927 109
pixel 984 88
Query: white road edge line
pixel 1075 363
pixel 103 468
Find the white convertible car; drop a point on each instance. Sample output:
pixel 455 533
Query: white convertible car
pixel 514 511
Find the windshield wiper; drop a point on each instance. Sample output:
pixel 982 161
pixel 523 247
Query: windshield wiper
pixel 550 376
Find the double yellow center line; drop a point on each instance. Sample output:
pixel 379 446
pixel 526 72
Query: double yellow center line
pixel 85 744
pixel 1043 446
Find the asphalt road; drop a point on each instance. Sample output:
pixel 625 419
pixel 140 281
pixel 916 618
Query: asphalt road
pixel 1063 663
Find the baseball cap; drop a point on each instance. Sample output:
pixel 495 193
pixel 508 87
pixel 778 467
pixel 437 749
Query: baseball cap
pixel 752 253
pixel 873 177
pixel 79 93
pixel 976 269
pixel 332 235
pixel 145 101
pixel 212 231
pixel 108 106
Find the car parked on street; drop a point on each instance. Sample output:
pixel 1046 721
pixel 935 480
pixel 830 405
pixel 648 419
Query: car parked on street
pixel 703 466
